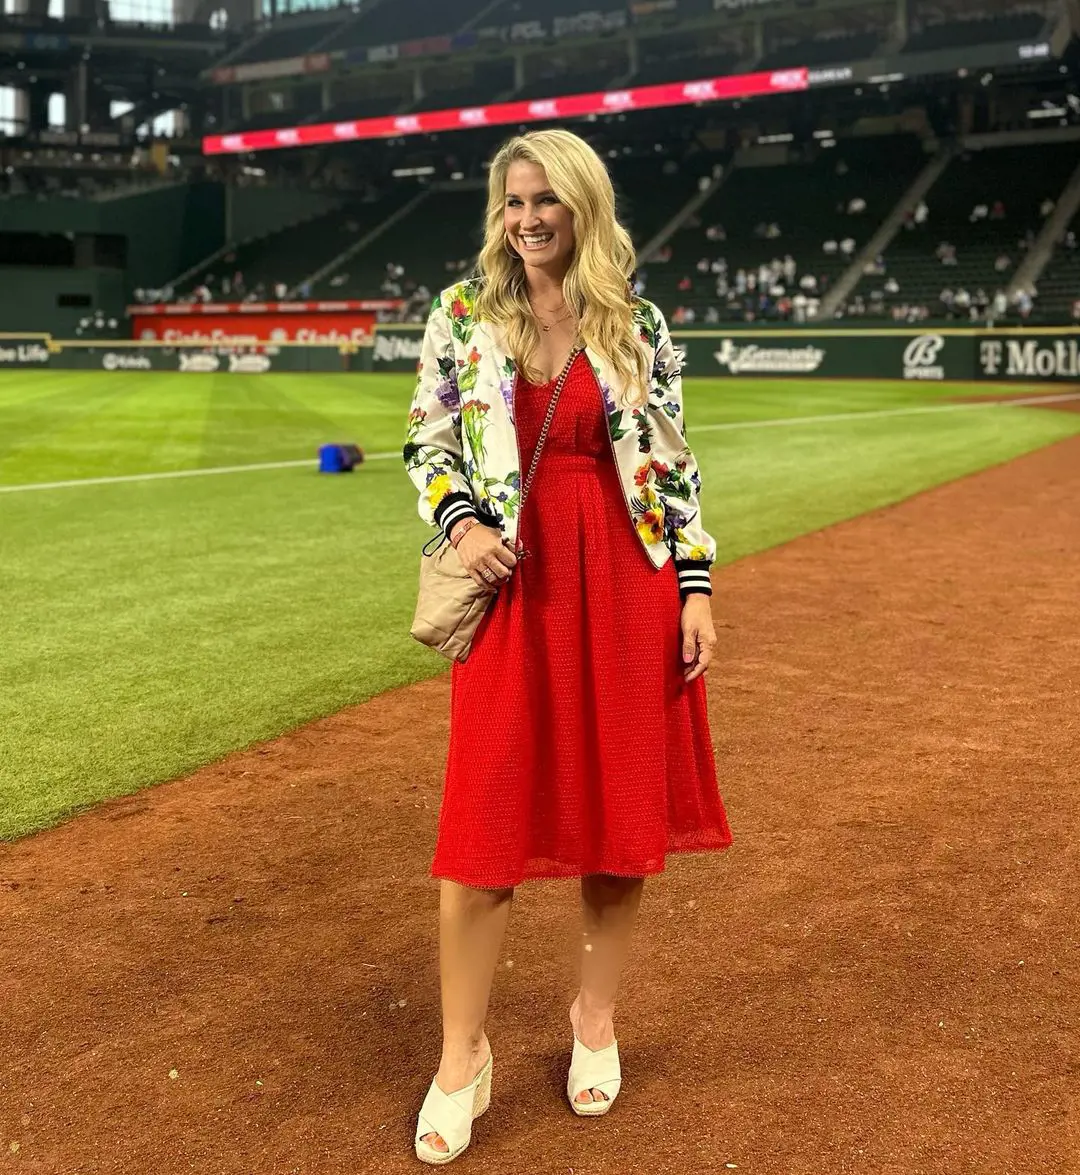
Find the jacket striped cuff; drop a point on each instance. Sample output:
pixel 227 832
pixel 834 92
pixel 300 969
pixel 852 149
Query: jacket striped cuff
pixel 693 577
pixel 452 509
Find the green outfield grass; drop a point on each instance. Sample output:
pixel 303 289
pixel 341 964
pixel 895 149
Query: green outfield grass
pixel 148 627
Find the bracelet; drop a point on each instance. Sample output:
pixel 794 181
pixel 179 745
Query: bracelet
pixel 463 529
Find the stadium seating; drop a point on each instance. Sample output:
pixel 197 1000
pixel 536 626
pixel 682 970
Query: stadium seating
pixel 807 202
pixel 296 36
pixel 390 22
pixel 957 34
pixel 822 51
pixel 291 255
pixel 1059 285
pixel 1021 177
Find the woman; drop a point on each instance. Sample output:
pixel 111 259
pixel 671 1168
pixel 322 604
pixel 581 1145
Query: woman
pixel 579 738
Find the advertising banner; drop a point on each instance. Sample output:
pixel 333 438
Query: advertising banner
pixel 1031 358
pixel 127 357
pixel 318 323
pixel 396 349
pixel 715 89
pixel 28 352
pixel 918 355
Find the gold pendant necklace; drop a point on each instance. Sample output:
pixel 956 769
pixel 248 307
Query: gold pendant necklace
pixel 545 326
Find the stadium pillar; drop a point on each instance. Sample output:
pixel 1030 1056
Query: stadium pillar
pixel 633 53
pixel 758 33
pixel 519 69
pixel 418 84
pixel 903 20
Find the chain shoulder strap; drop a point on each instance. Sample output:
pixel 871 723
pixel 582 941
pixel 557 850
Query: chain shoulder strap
pixel 546 425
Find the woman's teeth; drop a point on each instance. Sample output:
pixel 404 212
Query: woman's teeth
pixel 535 240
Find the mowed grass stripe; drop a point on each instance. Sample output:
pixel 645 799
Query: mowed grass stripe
pixel 724 426
pixel 150 627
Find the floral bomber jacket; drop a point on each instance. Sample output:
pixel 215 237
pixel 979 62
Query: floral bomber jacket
pixel 461 448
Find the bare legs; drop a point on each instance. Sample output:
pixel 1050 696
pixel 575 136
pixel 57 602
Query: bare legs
pixel 609 907
pixel 472 923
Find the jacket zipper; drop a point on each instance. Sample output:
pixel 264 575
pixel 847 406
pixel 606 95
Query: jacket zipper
pixel 615 462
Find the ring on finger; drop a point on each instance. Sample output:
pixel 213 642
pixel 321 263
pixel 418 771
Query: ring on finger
pixel 488 574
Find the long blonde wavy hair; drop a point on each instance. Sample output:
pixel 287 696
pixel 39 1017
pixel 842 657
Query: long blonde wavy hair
pixel 596 286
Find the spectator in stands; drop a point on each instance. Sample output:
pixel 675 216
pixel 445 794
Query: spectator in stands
pixel 1046 207
pixel 719 266
pixel 304 289
pixel 1002 262
pixel 703 265
pixel 856 206
pixel 281 290
pixel 892 286
pixel 715 232
pixel 1070 240
pixel 338 280
pixel 789 268
pixel 830 246
pixel 808 283
pixel 740 281
pixel 979 212
pixel 685 285
pixel 946 253
pixel 1076 310
pixel 847 246
pixel 1000 306
pixel 772 233
pixel 946 298
pixel 663 253
pixel 997 210
pixel 712 315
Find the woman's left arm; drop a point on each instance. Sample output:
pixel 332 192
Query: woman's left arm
pixel 679 486
pixel 677 480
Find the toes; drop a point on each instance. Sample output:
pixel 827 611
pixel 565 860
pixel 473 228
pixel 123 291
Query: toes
pixel 435 1142
pixel 585 1097
pixel 598 1095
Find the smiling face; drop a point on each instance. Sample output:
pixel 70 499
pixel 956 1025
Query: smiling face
pixel 538 225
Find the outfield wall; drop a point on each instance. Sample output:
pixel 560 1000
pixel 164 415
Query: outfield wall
pixel 1012 355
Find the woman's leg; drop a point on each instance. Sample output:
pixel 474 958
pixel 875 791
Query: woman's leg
pixel 472 923
pixel 609 908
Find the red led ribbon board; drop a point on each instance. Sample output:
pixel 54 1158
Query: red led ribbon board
pixel 208 323
pixel 745 85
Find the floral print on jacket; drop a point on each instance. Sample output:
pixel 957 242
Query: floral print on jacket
pixel 461 444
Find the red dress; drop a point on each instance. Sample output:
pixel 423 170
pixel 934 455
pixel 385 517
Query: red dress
pixel 576 746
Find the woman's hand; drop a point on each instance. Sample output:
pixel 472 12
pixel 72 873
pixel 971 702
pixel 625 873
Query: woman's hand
pixel 485 555
pixel 698 635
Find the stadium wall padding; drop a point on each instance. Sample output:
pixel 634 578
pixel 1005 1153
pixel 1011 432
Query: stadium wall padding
pixel 1010 355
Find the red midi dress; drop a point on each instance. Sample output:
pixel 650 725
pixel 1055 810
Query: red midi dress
pixel 576 746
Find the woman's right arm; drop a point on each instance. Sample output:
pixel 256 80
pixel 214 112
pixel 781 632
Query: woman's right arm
pixel 433 450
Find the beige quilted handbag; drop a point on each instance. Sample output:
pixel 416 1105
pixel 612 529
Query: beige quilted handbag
pixel 450 604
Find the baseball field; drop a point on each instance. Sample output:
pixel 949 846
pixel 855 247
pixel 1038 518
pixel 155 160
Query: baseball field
pixel 220 758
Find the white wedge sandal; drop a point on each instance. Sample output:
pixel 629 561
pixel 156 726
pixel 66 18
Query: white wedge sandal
pixel 591 1069
pixel 451 1115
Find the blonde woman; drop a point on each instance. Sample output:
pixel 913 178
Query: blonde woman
pixel 579 738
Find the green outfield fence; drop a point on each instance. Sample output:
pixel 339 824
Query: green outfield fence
pixel 1014 354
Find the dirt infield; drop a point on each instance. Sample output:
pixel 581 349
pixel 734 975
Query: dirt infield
pixel 235 973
